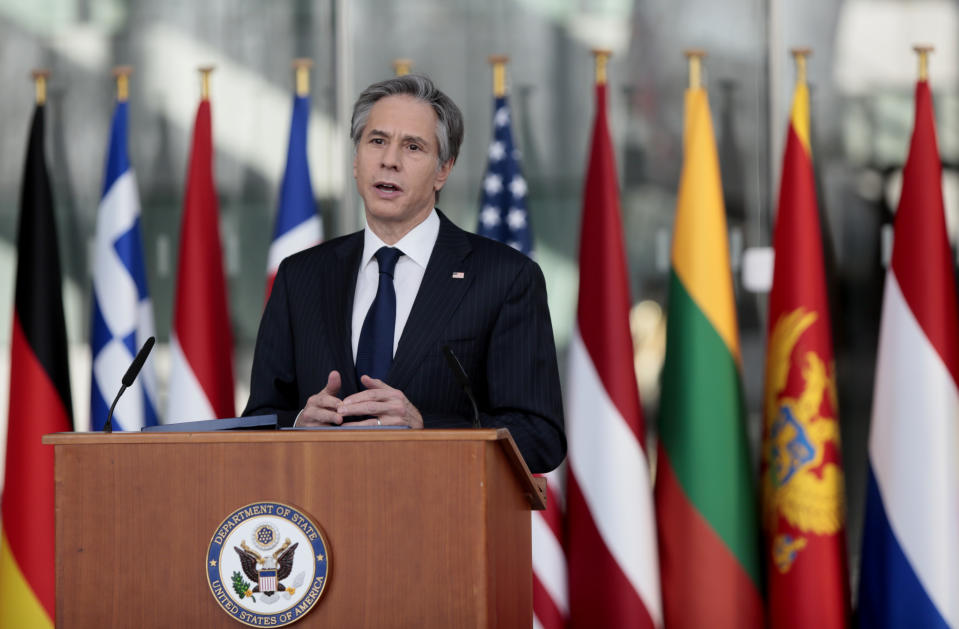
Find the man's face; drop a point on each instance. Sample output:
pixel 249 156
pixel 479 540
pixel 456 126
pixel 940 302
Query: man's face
pixel 396 166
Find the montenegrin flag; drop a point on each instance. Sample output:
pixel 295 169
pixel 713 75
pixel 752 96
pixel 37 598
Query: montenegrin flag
pixel 611 531
pixel 705 497
pixel 910 547
pixel 201 343
pixel 39 404
pixel 297 224
pixel 803 506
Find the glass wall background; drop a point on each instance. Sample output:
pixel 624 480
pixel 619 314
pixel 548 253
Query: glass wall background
pixel 862 74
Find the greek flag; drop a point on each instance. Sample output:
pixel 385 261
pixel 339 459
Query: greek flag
pixel 503 214
pixel 122 310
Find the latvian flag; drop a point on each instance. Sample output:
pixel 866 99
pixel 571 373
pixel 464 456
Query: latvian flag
pixel 297 224
pixel 201 344
pixel 613 562
pixel 910 548
pixel 39 404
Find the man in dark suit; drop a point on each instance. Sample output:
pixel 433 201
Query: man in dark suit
pixel 354 328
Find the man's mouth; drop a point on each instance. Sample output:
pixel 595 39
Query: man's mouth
pixel 387 187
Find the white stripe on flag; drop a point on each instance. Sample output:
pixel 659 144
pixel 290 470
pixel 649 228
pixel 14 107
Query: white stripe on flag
pixel 914 450
pixel 109 365
pixel 611 469
pixel 113 286
pixel 549 563
pixel 188 401
pixel 303 236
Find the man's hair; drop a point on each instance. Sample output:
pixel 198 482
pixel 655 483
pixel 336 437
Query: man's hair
pixel 449 119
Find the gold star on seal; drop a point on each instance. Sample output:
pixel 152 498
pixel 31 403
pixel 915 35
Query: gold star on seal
pixel 319 557
pixel 213 563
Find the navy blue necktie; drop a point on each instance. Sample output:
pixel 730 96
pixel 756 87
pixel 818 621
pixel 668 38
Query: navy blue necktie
pixel 374 354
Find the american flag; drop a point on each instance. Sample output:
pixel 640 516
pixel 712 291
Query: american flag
pixel 503 214
pixel 503 217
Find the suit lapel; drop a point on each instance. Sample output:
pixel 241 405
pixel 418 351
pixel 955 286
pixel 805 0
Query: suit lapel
pixel 339 307
pixel 439 295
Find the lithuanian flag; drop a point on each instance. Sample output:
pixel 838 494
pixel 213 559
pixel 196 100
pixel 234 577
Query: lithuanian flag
pixel 705 500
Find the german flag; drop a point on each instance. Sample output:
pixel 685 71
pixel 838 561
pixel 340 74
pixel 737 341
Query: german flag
pixel 39 404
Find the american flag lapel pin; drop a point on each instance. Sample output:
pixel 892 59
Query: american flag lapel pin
pixel 458 275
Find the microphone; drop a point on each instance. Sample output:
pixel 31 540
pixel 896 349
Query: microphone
pixel 457 368
pixel 132 371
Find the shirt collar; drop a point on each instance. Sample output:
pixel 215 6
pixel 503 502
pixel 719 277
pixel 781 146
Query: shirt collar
pixel 417 244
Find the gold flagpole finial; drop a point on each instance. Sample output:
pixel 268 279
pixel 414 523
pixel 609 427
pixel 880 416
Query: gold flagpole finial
pixel 602 59
pixel 499 74
pixel 402 67
pixel 205 81
pixel 923 50
pixel 302 67
pixel 800 55
pixel 122 75
pixel 695 57
pixel 40 77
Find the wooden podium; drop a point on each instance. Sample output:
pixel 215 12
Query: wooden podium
pixel 426 528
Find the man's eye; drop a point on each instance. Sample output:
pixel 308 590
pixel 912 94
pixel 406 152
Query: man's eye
pixel 376 141
pixel 415 147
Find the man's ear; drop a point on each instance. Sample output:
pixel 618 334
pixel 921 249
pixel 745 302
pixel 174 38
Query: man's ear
pixel 354 164
pixel 442 175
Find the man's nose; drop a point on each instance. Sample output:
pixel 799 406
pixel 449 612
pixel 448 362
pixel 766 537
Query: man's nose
pixel 391 157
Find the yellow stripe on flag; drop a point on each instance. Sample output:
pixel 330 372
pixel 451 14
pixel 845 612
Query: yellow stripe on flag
pixel 800 115
pixel 19 606
pixel 700 254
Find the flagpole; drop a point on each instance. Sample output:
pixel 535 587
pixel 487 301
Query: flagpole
pixel 800 56
pixel 695 57
pixel 923 51
pixel 122 76
pixel 205 81
pixel 40 77
pixel 499 74
pixel 402 66
pixel 601 60
pixel 301 69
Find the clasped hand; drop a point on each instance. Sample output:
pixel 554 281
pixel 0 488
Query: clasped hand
pixel 385 405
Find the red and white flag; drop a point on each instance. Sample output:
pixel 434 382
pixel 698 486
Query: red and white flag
pixel 612 551
pixel 201 343
pixel 550 590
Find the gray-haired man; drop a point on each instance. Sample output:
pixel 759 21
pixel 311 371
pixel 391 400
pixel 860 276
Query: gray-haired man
pixel 355 328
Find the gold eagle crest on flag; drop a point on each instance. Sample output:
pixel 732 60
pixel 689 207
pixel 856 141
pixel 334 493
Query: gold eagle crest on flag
pixel 796 483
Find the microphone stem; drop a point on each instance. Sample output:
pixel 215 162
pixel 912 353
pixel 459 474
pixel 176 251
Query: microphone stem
pixel 108 425
pixel 476 419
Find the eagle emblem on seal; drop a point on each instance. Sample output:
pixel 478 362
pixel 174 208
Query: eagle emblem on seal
pixel 267 572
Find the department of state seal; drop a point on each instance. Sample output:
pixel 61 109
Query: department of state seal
pixel 267 564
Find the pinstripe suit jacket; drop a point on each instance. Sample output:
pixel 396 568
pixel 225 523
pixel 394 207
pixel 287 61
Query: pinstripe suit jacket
pixel 495 318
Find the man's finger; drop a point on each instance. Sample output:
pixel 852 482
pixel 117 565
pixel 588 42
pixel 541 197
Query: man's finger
pixel 313 416
pixel 333 383
pixel 373 395
pixel 375 408
pixel 373 383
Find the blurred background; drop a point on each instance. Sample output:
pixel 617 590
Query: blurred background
pixel 862 74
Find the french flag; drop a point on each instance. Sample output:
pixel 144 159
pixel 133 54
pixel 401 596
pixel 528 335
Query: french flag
pixel 910 552
pixel 297 224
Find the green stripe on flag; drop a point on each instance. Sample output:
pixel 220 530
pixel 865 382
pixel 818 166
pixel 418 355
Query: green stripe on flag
pixel 701 427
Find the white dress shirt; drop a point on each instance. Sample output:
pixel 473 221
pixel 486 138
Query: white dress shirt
pixel 416 246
